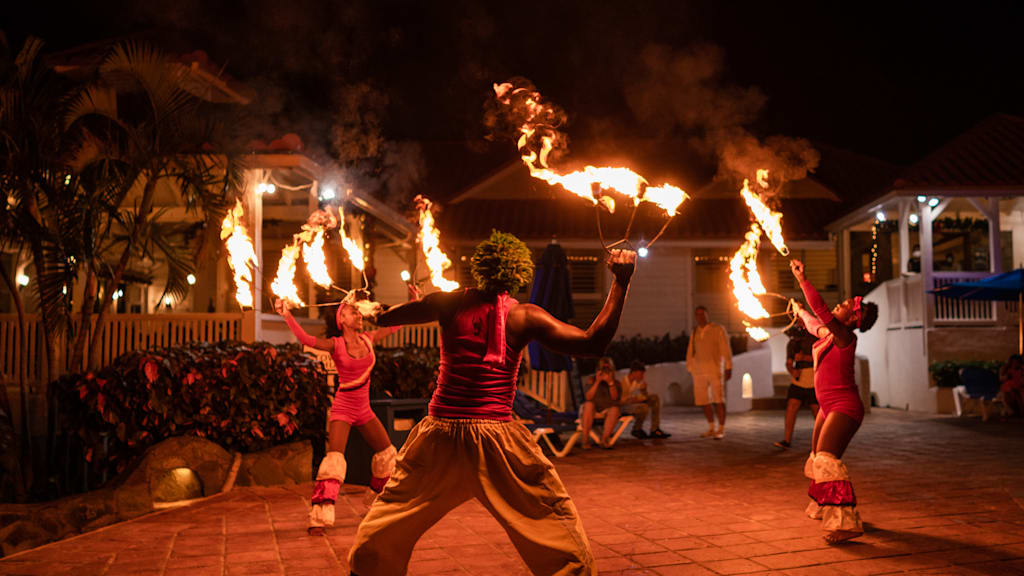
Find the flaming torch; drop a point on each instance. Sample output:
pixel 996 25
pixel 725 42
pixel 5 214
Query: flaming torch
pixel 746 280
pixel 430 240
pixel 539 135
pixel 310 243
pixel 354 251
pixel 241 253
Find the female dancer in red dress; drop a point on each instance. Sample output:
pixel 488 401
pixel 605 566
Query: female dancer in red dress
pixel 354 358
pixel 841 410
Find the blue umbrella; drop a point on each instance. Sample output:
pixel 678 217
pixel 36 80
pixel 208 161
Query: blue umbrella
pixel 552 291
pixel 1001 287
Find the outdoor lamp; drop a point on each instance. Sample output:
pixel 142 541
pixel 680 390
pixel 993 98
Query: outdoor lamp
pixel 921 199
pixel 22 280
pixel 933 202
pixel 642 252
pixel 880 216
pixel 191 279
pixel 914 218
pixel 327 193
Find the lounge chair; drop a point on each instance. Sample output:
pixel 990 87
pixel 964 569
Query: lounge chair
pixel 976 384
pixel 546 425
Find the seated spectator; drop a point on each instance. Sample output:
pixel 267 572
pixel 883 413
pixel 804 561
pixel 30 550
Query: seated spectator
pixel 602 392
pixel 1011 377
pixel 638 402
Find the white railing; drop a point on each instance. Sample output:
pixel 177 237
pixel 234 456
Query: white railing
pixel 952 311
pixel 124 333
pixel 549 388
pixel 422 335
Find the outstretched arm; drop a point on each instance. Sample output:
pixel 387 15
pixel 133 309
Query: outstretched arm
pixel 383 332
pixel 305 338
pixel 843 336
pixel 564 338
pixel 427 309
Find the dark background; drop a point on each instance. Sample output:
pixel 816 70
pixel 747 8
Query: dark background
pixel 893 80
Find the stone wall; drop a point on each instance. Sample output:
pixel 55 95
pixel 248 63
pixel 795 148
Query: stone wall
pixel 180 468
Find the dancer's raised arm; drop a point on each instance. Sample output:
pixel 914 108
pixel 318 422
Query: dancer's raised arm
pixel 305 338
pixel 840 331
pixel 532 322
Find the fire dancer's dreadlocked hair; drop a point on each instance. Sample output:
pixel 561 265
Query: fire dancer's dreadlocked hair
pixel 502 263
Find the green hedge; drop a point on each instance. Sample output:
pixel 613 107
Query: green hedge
pixel 243 396
pixel 408 372
pixel 947 374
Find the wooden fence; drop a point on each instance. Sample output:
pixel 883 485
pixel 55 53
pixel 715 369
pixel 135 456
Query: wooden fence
pixel 124 333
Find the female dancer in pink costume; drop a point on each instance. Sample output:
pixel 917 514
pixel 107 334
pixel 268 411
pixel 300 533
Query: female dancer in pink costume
pixel 841 410
pixel 354 358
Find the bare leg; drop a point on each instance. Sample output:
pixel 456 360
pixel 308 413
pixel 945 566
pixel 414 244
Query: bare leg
pixel 337 436
pixel 720 408
pixel 819 422
pixel 587 423
pixel 709 414
pixel 792 407
pixel 836 432
pixel 375 435
pixel 611 418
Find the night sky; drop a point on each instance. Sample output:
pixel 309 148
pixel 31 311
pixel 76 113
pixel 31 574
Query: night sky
pixel 892 80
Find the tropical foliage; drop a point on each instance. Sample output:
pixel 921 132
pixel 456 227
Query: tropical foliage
pixel 408 372
pixel 244 397
pixel 83 159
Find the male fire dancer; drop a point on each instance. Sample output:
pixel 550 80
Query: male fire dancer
pixel 469 446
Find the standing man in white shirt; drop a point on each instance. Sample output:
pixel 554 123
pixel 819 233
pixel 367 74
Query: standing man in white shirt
pixel 709 347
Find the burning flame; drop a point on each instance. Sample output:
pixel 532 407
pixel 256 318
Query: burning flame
pixel 310 242
pixel 283 285
pixel 430 240
pixel 241 253
pixel 756 332
pixel 354 251
pixel 539 122
pixel 746 281
pixel 770 220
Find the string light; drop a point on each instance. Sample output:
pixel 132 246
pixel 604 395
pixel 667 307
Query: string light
pixel 874 250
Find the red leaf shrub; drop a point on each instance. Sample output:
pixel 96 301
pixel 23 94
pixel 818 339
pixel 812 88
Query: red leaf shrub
pixel 243 396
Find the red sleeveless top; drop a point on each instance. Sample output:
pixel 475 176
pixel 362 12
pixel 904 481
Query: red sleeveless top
pixel 468 386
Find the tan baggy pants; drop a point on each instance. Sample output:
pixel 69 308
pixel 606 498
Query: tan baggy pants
pixel 444 463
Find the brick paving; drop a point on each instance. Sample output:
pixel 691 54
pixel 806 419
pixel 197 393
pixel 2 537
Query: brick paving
pixel 938 495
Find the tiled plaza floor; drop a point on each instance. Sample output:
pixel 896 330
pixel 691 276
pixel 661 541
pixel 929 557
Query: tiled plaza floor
pixel 938 495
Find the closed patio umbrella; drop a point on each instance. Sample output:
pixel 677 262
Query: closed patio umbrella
pixel 552 291
pixel 1001 288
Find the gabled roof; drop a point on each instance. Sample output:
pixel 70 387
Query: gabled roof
pixel 991 154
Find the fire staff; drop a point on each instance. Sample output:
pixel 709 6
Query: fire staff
pixel 469 446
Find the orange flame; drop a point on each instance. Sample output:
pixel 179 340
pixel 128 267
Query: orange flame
pixel 586 183
pixel 430 240
pixel 756 332
pixel 746 281
pixel 283 285
pixel 770 220
pixel 241 253
pixel 310 241
pixel 354 251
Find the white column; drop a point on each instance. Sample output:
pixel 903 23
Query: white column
pixel 904 232
pixel 995 248
pixel 927 267
pixel 845 269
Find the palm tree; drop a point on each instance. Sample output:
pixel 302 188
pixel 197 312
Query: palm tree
pixel 36 188
pixel 138 127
